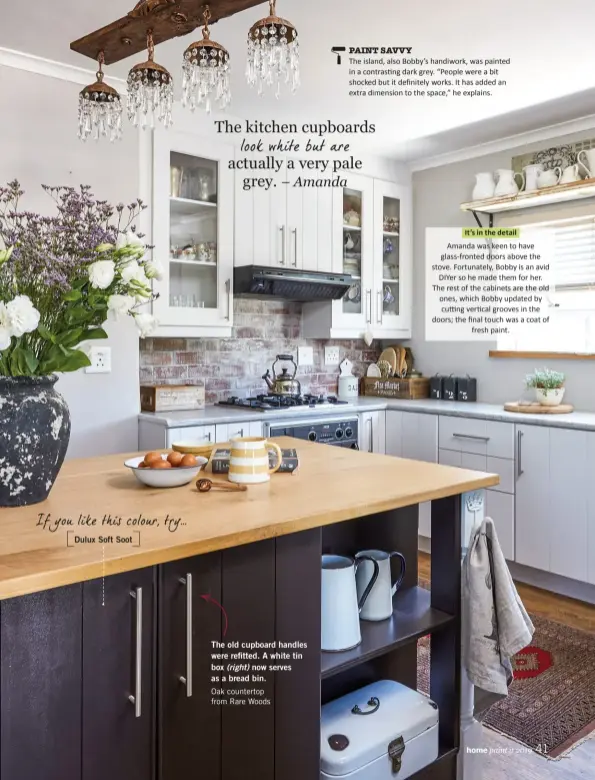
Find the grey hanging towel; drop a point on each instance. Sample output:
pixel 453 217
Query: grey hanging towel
pixel 495 622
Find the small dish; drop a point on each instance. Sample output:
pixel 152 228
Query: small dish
pixel 165 478
pixel 194 447
pixel 373 371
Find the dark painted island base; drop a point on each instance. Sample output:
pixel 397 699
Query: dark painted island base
pixel 115 680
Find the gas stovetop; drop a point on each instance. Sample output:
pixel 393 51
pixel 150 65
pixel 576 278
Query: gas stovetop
pixel 276 403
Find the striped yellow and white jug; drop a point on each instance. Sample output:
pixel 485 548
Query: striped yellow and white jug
pixel 249 462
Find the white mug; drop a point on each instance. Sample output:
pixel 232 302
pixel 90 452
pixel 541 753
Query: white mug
pixel 379 603
pixel 570 174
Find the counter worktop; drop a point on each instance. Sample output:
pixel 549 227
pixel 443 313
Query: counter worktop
pixel 212 415
pixel 332 485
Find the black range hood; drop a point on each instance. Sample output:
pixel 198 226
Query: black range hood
pixel 258 281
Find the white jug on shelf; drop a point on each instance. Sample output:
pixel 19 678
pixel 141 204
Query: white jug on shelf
pixel 549 178
pixel 589 165
pixel 506 182
pixel 531 173
pixel 570 174
pixel 484 186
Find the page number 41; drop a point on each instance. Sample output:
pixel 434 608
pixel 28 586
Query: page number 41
pixel 541 747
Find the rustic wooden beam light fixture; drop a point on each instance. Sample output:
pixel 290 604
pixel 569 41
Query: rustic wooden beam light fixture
pixel 166 18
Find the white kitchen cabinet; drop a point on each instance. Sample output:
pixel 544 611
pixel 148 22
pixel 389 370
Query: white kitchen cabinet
pixel 191 433
pixel 414 435
pixel 499 503
pixel 193 234
pixel 372 435
pixel 227 432
pixel 552 500
pixel 591 509
pixel 282 225
pixel 392 276
pixel 476 436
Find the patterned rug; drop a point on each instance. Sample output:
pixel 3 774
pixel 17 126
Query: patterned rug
pixel 551 702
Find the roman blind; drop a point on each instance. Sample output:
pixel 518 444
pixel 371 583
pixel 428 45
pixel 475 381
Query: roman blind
pixel 573 244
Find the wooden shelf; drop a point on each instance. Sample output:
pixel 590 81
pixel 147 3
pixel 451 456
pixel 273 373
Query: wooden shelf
pixel 388 233
pixel 186 206
pixel 194 263
pixel 413 617
pixel 390 281
pixel 561 192
pixel 351 227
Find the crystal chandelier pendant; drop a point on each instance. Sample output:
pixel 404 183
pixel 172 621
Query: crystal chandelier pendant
pixel 206 72
pixel 150 92
pixel 273 54
pixel 100 109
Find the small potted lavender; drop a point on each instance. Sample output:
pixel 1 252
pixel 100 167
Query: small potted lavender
pixel 548 385
pixel 60 277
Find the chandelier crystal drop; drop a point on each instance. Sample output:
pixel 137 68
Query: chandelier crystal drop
pixel 273 54
pixel 100 109
pixel 206 72
pixel 150 91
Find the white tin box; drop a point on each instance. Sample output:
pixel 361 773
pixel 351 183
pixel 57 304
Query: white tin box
pixel 384 731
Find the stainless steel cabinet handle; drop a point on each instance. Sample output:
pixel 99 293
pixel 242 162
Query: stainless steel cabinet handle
pixel 519 439
pixel 187 680
pixel 380 307
pixel 282 229
pixel 136 698
pixel 369 306
pixel 228 290
pixel 295 247
pixel 468 436
pixel 370 435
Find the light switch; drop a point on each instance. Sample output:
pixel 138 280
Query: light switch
pixel 305 356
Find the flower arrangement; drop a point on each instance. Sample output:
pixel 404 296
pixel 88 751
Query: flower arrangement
pixel 62 275
pixel 545 379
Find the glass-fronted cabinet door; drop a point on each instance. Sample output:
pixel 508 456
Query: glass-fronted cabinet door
pixel 392 259
pixel 193 231
pixel 353 252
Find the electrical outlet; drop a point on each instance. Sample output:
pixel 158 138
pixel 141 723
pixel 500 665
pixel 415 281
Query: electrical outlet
pixel 305 356
pixel 101 360
pixel 331 356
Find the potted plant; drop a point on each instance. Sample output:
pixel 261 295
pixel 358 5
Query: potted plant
pixel 548 385
pixel 60 277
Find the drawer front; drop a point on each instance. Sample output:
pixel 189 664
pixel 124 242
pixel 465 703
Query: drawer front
pixel 232 430
pixel 500 507
pixel 480 437
pixel 467 460
pixel 194 432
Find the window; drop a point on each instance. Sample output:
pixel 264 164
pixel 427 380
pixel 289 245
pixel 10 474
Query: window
pixel 572 301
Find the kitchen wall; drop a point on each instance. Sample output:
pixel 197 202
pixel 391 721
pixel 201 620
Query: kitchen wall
pixel 234 366
pixel 38 145
pixel 437 195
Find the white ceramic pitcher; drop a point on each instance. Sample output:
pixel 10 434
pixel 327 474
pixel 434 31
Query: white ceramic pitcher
pixel 379 604
pixel 549 178
pixel 570 174
pixel 506 182
pixel 531 173
pixel 484 186
pixel 340 605
pixel 589 165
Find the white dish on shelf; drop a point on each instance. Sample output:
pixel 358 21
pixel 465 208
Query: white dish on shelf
pixel 373 371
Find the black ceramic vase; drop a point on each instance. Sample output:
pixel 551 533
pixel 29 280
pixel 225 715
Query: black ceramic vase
pixel 34 435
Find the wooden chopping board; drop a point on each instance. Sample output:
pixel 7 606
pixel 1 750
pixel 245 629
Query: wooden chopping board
pixel 537 408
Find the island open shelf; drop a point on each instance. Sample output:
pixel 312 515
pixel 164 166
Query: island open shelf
pixel 413 617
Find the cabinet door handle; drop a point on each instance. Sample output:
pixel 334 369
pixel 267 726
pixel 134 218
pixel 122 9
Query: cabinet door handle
pixel 369 306
pixel 379 316
pixel 519 439
pixel 469 436
pixel 295 247
pixel 228 291
pixel 370 435
pixel 282 229
pixel 187 680
pixel 136 698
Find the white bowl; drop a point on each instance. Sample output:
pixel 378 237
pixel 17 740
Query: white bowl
pixel 165 478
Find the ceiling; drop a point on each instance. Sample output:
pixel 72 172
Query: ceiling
pixel 549 80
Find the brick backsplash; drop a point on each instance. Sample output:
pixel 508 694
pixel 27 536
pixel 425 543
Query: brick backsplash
pixel 234 366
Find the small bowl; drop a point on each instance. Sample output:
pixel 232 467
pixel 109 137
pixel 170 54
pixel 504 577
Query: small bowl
pixel 165 478
pixel 201 447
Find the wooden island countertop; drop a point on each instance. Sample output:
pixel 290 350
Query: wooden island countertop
pixel 332 484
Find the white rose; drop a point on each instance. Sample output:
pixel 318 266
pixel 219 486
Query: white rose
pixel 101 273
pixel 146 324
pixel 130 271
pixel 120 304
pixel 154 269
pixel 5 334
pixel 130 242
pixel 22 316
